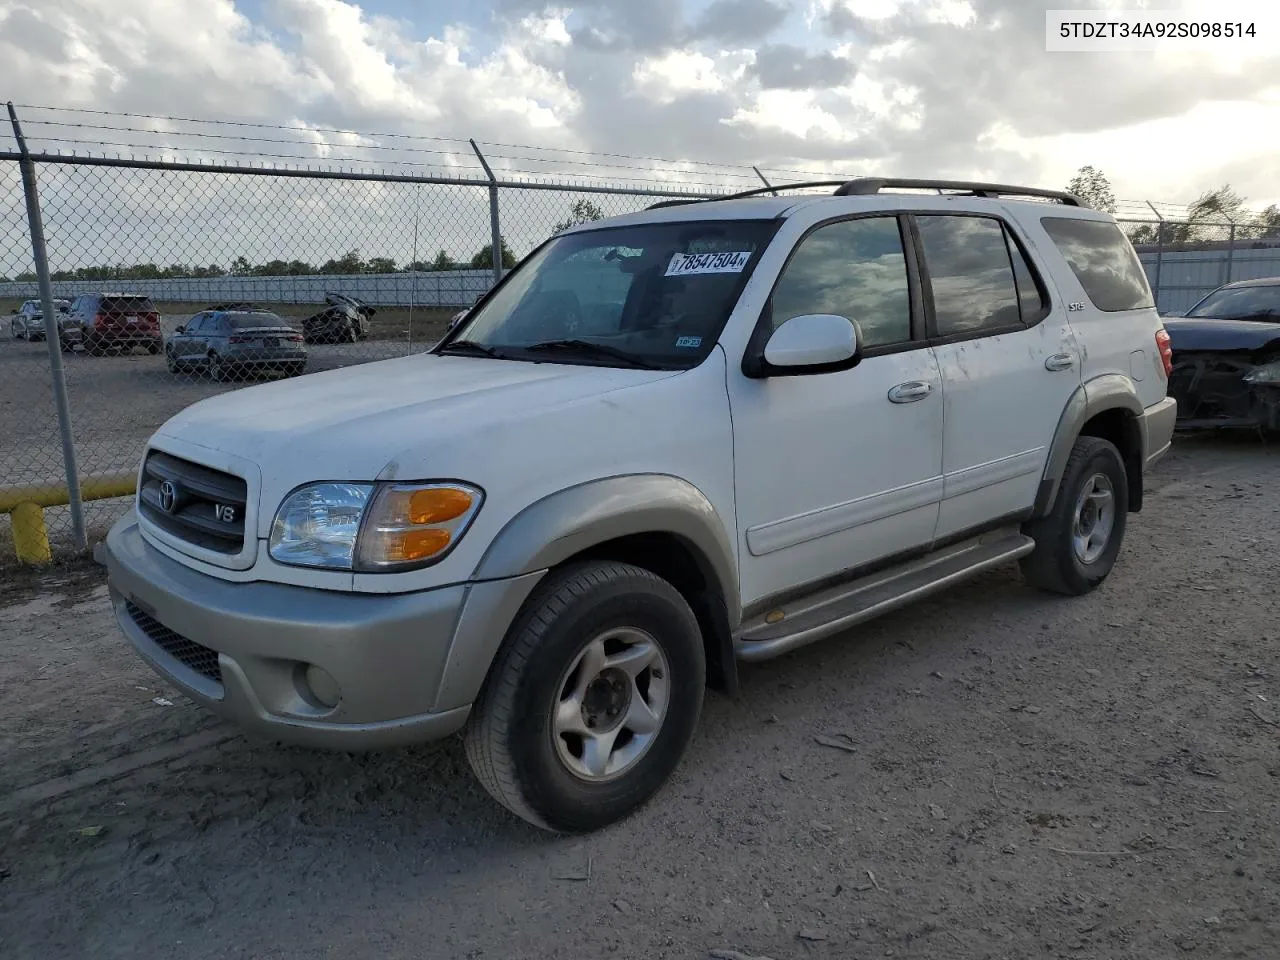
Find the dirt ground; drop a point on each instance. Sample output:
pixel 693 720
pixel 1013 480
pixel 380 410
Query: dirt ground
pixel 1019 776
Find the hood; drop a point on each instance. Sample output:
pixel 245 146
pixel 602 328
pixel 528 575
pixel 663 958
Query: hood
pixel 1206 333
pixel 355 421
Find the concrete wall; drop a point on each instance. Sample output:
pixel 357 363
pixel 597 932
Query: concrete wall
pixel 452 288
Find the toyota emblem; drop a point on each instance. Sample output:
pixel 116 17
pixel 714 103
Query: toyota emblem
pixel 168 496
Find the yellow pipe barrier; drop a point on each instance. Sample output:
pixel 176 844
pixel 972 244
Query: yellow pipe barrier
pixel 25 505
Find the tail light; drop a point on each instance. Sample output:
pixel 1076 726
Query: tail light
pixel 294 338
pixel 100 318
pixel 240 339
pixel 1166 352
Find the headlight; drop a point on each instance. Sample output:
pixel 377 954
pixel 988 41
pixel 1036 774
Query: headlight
pixel 316 526
pixel 1268 373
pixel 372 527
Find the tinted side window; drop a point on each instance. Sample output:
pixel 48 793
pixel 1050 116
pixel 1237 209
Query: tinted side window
pixel 1030 300
pixel 1103 261
pixel 972 277
pixel 855 269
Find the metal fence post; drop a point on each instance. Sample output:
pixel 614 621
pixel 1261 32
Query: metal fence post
pixel 494 225
pixel 1231 250
pixel 1159 250
pixel 765 181
pixel 52 335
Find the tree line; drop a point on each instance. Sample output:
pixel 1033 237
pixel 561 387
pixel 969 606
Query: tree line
pixel 352 262
pixel 1208 218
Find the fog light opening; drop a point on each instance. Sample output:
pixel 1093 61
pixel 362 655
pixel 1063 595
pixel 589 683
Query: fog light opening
pixel 321 686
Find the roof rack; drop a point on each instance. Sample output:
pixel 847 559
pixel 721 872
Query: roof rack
pixel 748 193
pixel 869 186
pixel 865 186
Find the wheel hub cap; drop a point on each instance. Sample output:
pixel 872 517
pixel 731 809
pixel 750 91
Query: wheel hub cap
pixel 1095 518
pixel 613 700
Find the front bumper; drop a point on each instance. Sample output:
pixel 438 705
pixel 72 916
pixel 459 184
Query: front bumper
pixel 1157 426
pixel 242 649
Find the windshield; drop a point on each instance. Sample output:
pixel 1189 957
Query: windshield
pixel 656 293
pixel 1241 303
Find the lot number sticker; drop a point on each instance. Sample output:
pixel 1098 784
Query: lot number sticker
pixel 689 264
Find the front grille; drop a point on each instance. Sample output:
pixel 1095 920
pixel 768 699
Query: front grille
pixel 201 505
pixel 199 658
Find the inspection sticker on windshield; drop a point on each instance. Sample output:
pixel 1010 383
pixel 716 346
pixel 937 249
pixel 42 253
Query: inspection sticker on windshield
pixel 688 264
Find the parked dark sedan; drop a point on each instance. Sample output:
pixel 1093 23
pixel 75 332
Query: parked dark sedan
pixel 228 343
pixel 1226 358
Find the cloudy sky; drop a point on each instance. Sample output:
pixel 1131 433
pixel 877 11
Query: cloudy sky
pixel 962 88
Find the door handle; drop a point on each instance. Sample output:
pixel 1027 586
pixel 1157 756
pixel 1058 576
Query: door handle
pixel 1060 361
pixel 910 391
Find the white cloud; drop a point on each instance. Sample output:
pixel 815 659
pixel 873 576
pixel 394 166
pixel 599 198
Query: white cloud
pixel 954 86
pixel 679 72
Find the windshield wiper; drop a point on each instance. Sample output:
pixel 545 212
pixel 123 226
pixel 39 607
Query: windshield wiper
pixel 587 348
pixel 470 346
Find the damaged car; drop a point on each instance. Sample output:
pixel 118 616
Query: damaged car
pixel 1226 358
pixel 344 319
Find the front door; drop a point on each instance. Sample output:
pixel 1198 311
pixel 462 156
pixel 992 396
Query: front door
pixel 835 470
pixel 1009 364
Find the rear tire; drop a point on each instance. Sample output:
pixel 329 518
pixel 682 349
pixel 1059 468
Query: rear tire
pixel 592 699
pixel 1078 542
pixel 217 372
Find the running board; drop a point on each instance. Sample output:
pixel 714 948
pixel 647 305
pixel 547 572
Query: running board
pixel 830 611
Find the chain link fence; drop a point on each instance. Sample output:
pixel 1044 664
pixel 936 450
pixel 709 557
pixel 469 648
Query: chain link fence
pixel 180 281
pixel 174 284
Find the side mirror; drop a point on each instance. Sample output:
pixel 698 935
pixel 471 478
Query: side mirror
pixel 457 318
pixel 181 328
pixel 812 341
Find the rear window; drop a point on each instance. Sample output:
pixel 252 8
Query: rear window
pixel 1104 262
pixel 127 305
pixel 243 321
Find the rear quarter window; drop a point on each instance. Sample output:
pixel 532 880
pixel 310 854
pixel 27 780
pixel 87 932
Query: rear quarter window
pixel 1103 260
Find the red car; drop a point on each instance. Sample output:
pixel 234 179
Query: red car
pixel 118 322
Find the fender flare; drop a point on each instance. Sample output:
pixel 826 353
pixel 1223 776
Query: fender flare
pixel 1107 392
pixel 565 523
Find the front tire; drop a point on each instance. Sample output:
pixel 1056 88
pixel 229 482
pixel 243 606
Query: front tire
pixel 1078 542
pixel 592 699
pixel 217 372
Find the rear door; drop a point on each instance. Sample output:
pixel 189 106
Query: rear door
pixel 1008 359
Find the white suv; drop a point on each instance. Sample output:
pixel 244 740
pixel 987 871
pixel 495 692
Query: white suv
pixel 708 432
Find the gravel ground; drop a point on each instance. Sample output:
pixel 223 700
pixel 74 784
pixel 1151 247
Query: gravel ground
pixel 1018 775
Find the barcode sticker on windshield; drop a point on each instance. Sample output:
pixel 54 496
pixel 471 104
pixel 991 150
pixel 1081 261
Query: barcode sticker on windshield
pixel 688 264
